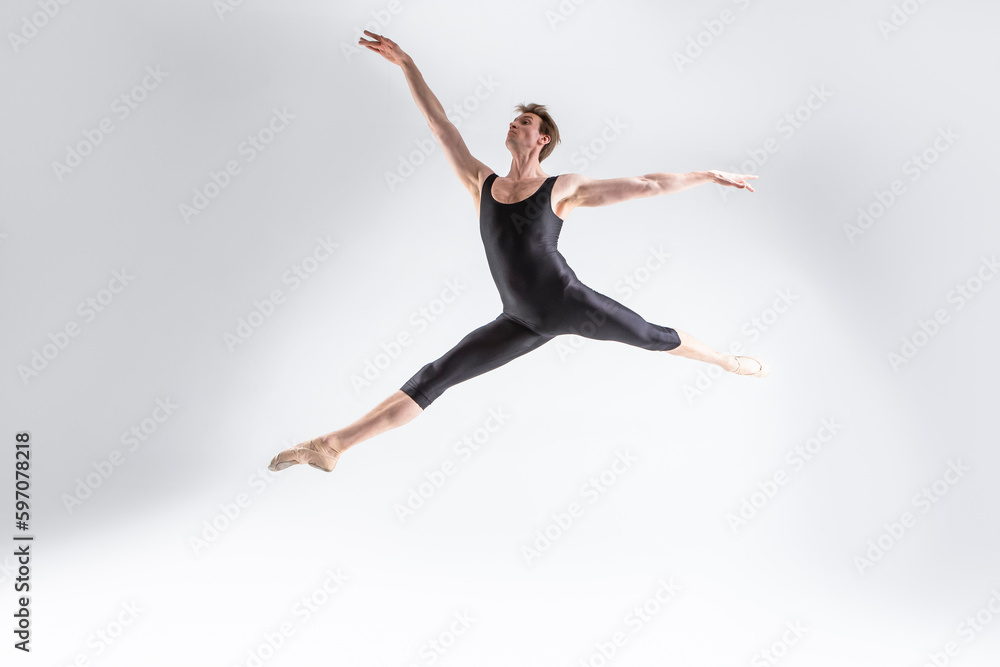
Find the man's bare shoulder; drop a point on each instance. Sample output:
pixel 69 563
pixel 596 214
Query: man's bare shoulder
pixel 564 193
pixel 482 173
pixel 567 185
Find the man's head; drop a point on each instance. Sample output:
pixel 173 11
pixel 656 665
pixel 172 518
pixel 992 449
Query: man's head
pixel 534 127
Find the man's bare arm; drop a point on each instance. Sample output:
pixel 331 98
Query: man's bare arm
pixel 466 167
pixel 603 192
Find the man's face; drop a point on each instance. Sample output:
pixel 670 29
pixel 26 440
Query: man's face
pixel 523 131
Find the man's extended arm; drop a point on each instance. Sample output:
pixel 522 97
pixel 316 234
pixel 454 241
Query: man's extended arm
pixel 427 101
pixel 602 192
pixel 467 168
pixel 664 183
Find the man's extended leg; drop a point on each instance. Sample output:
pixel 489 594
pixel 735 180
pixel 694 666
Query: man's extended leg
pixel 490 346
pixel 594 315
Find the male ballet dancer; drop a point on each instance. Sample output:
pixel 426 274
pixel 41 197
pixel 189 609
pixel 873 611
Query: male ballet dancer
pixel 521 215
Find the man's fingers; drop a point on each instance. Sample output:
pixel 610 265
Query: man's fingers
pixel 380 37
pixel 736 180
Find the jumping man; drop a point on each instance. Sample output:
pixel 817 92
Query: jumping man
pixel 520 217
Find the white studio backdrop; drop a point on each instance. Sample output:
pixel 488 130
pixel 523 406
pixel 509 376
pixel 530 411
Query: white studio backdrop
pixel 220 219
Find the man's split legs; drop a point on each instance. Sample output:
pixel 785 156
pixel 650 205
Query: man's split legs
pixel 399 409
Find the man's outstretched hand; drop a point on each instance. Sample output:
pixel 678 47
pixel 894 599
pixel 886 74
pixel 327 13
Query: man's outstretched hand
pixel 735 180
pixel 385 47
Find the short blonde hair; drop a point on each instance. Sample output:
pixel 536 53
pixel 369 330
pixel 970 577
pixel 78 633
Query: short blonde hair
pixel 548 126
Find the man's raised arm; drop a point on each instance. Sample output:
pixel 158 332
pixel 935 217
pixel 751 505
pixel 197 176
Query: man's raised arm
pixel 466 167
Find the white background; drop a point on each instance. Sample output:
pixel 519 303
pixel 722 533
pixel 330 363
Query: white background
pixel 159 533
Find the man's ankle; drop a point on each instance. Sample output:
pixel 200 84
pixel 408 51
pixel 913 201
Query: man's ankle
pixel 335 443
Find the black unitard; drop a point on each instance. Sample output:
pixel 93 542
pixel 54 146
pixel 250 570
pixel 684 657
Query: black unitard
pixel 541 295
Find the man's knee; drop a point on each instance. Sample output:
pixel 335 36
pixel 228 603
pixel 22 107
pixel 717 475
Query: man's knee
pixel 407 400
pixel 679 347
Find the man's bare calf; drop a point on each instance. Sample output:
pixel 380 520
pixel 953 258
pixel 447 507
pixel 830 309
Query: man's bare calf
pixel 692 348
pixel 323 452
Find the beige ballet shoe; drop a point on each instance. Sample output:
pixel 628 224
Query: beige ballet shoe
pixel 761 372
pixel 307 452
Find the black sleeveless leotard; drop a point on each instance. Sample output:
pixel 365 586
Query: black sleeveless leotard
pixel 541 296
